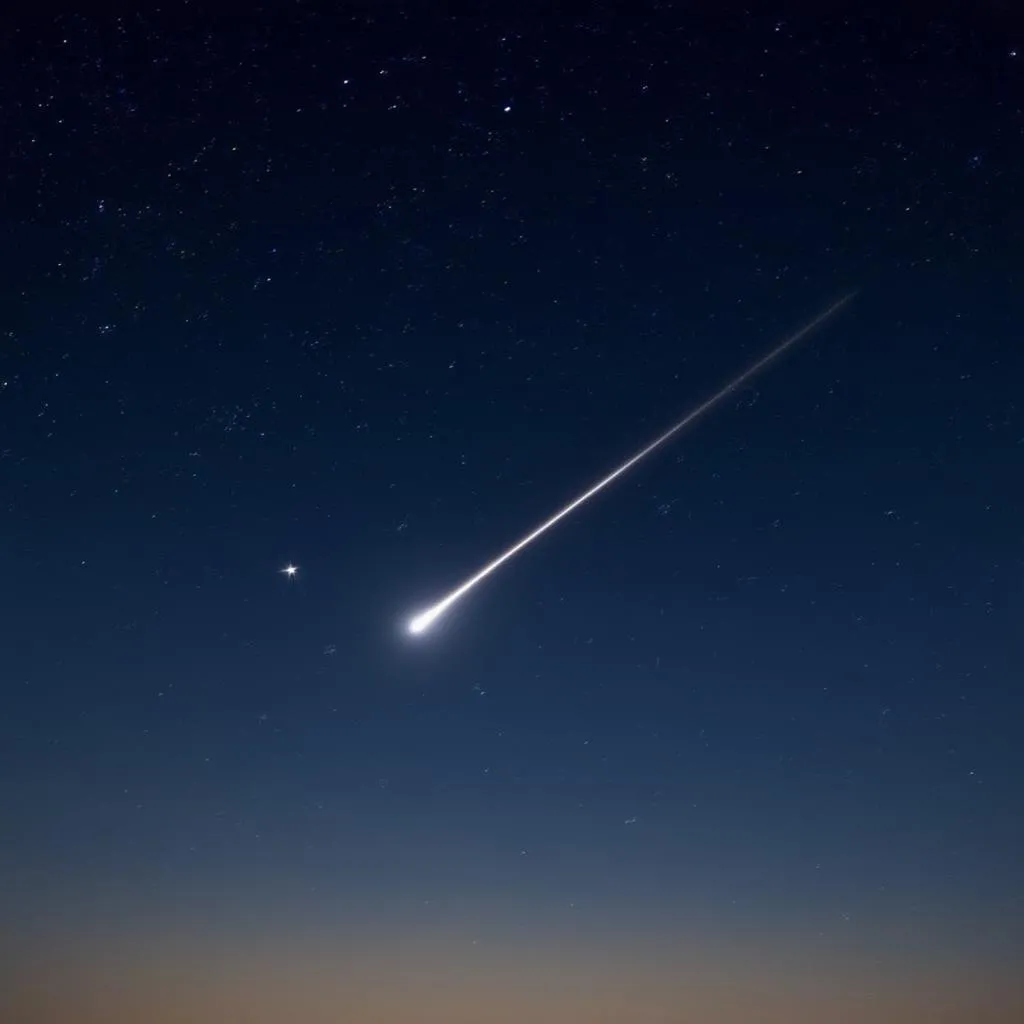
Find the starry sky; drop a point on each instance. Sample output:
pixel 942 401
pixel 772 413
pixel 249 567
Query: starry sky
pixel 371 292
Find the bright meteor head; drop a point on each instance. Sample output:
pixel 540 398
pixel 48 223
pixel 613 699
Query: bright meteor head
pixel 421 623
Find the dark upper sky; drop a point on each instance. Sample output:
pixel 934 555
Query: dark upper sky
pixel 374 293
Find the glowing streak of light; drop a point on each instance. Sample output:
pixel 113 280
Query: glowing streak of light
pixel 421 622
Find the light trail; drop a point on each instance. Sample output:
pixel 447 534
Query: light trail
pixel 421 622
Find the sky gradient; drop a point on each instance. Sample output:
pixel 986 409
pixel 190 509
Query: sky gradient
pixel 374 293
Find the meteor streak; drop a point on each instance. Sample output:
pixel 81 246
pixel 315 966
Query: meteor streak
pixel 421 622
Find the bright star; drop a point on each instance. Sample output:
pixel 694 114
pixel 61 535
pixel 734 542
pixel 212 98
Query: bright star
pixel 289 570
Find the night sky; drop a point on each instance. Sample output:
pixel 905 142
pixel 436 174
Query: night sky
pixel 371 290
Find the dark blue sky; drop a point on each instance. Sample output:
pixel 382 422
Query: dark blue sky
pixel 374 293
